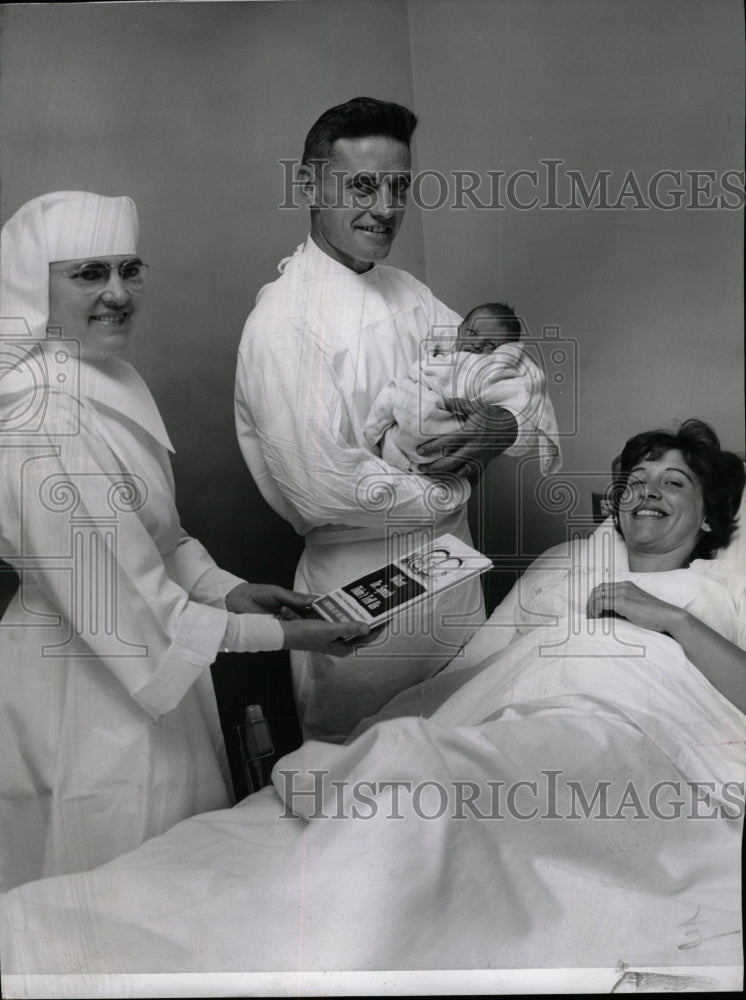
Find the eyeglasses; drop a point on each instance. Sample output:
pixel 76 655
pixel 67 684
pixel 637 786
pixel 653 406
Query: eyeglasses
pixel 94 275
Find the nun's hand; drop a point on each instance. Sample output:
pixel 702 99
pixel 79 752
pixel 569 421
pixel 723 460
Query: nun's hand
pixel 265 599
pixel 334 638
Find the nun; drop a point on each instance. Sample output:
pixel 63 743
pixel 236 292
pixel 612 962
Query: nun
pixel 109 732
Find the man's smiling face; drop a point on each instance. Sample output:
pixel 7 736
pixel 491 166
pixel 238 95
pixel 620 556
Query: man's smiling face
pixel 360 199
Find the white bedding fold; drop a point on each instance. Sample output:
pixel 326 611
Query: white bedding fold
pixel 535 824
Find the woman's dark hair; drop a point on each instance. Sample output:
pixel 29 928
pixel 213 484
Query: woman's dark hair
pixel 720 474
pixel 357 119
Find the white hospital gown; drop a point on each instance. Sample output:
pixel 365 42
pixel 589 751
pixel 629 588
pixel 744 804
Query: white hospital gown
pixel 108 724
pixel 317 349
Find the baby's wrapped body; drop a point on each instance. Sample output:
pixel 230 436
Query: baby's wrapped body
pixel 446 386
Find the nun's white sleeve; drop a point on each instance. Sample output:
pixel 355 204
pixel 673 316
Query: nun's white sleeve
pixel 191 566
pixel 296 433
pixel 113 578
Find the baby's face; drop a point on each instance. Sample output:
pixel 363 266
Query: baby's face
pixel 481 333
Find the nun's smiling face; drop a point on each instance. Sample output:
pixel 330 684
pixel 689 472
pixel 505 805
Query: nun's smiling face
pixel 93 301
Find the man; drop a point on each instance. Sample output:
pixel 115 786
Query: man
pixel 322 341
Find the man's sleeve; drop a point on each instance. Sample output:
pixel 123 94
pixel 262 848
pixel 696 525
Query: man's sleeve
pixel 295 434
pixel 444 322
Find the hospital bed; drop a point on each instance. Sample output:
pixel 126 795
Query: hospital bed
pixel 400 863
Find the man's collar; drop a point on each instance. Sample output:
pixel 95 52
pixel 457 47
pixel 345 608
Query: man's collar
pixel 323 258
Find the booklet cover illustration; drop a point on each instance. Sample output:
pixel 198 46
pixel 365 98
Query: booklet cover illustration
pixel 378 596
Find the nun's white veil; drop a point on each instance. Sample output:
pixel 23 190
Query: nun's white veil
pixel 62 225
pixel 59 226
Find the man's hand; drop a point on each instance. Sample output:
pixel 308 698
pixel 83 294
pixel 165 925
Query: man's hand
pixel 482 437
pixel 265 599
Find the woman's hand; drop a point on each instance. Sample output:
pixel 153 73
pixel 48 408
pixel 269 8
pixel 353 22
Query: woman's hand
pixel 265 599
pixel 721 661
pixel 628 601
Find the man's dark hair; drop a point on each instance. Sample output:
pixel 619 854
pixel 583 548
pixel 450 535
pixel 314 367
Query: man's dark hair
pixel 357 119
pixel 720 474
pixel 504 314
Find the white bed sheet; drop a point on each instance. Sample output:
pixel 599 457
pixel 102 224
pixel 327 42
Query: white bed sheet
pixel 263 890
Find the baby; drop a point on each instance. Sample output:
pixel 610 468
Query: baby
pixel 486 328
pixel 484 366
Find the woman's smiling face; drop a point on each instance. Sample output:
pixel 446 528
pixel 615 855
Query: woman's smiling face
pixel 97 315
pixel 662 510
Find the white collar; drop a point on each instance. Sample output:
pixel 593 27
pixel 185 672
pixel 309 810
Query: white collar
pixel 112 383
pixel 320 260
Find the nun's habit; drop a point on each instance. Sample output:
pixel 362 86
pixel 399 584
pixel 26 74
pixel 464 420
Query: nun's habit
pixel 109 732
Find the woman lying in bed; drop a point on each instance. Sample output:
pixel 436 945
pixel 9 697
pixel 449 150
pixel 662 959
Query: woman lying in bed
pixel 674 506
pixel 567 794
pixel 680 489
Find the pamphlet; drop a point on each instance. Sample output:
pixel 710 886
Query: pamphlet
pixel 380 595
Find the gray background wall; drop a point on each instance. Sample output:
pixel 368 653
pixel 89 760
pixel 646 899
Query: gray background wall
pixel 652 298
pixel 189 107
